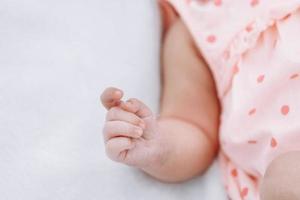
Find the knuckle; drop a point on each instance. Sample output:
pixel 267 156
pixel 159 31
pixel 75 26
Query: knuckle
pixel 108 117
pixel 135 104
pixel 135 131
pixel 112 152
pixel 109 148
pixel 112 113
pixel 136 120
pixel 133 100
pixel 105 129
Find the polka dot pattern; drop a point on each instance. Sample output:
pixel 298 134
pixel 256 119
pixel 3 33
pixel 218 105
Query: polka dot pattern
pixel 249 28
pixel 244 192
pixel 285 109
pixel 260 78
pixel 218 2
pixel 234 173
pixel 253 110
pixel 273 143
pixel 254 3
pixel 211 39
pixel 235 69
pixel 294 76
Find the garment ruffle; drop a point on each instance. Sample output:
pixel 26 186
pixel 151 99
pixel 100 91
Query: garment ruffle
pixel 247 38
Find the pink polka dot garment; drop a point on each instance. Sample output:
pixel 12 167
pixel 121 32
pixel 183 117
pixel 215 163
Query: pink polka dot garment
pixel 253 50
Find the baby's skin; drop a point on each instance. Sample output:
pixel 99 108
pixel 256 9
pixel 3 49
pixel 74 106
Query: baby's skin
pixel 183 141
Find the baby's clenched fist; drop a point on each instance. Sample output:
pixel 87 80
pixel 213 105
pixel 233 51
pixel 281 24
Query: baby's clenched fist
pixel 129 131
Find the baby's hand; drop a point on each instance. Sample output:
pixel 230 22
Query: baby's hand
pixel 130 131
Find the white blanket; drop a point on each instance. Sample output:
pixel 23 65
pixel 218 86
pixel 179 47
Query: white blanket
pixel 56 57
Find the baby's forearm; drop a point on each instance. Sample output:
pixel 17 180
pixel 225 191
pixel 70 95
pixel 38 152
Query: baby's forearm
pixel 186 151
pixel 188 125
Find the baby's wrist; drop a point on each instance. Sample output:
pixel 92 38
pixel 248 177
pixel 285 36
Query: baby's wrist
pixel 160 155
pixel 156 167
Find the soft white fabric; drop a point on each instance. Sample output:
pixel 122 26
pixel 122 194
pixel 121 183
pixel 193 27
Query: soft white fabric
pixel 56 57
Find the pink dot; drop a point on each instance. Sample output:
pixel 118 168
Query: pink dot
pixel 235 69
pixel 218 2
pixel 226 55
pixel 211 39
pixel 294 76
pixel 252 141
pixel 249 28
pixel 273 143
pixel 252 111
pixel 285 109
pixel 234 173
pixel 244 192
pixel 260 78
pixel 254 2
pixel 204 1
pixel 287 16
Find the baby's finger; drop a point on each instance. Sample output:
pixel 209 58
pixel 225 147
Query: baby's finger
pixel 111 97
pixel 119 128
pixel 117 148
pixel 118 114
pixel 136 106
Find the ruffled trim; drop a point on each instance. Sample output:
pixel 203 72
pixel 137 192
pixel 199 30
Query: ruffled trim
pixel 248 37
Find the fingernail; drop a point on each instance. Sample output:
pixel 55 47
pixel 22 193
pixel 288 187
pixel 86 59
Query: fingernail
pixel 138 131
